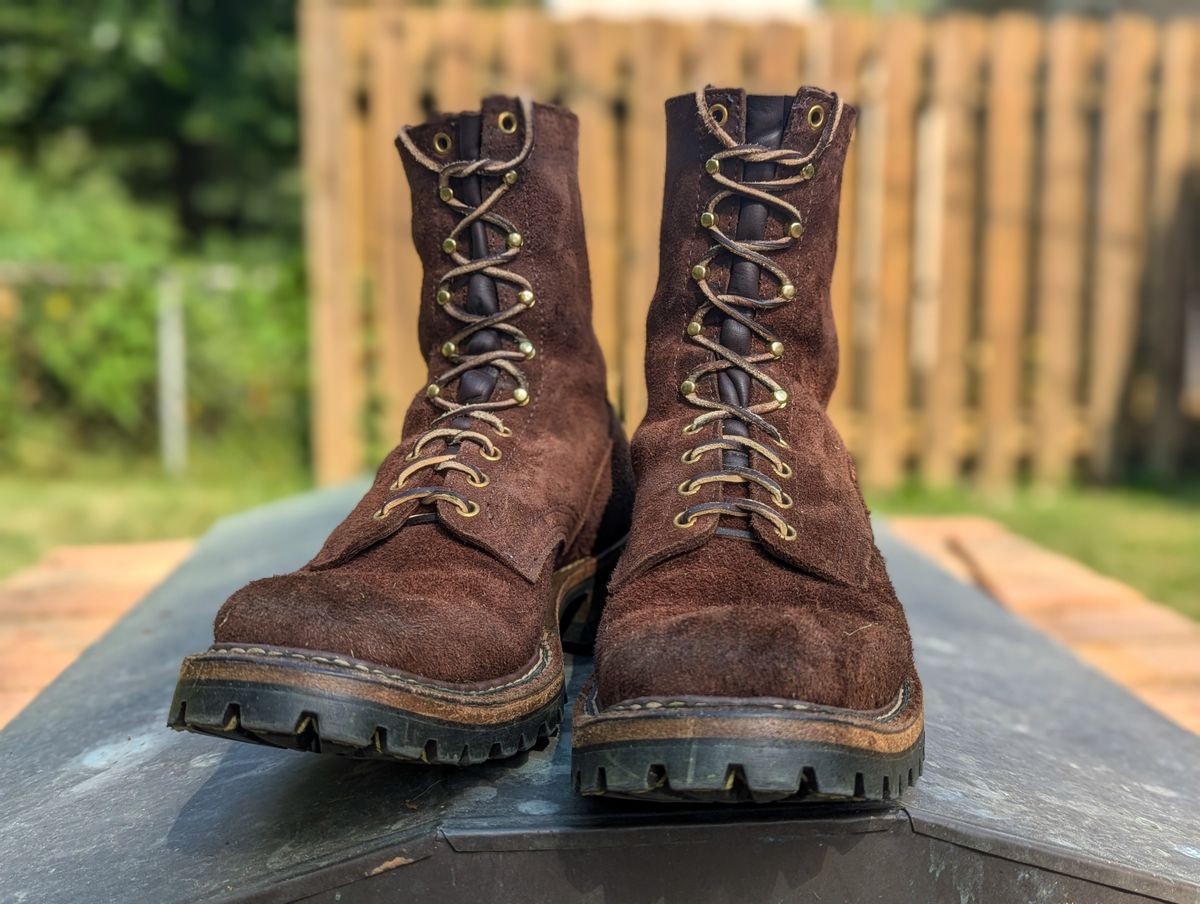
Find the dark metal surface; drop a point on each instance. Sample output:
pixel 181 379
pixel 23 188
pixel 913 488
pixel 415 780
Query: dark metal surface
pixel 1043 782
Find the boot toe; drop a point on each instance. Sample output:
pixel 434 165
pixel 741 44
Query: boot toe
pixel 825 657
pixel 455 641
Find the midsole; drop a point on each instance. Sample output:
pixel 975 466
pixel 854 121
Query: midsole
pixel 895 730
pixel 274 667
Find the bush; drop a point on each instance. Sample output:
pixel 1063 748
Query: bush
pixel 78 341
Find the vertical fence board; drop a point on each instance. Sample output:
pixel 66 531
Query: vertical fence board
pixel 777 65
pixel 401 39
pixel 461 62
pixel 718 54
pixel 527 54
pixel 1175 161
pixel 655 73
pixel 1062 214
pixel 957 59
pixel 887 391
pixel 846 41
pixel 1120 230
pixel 1008 190
pixel 594 49
pixel 332 41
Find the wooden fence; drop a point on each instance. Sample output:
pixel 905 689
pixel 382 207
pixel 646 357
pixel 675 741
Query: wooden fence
pixel 1016 247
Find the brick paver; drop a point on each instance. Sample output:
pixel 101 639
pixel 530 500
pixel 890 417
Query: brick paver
pixel 1150 649
pixel 52 612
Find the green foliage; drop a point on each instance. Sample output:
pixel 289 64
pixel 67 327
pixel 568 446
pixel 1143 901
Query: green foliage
pixel 66 213
pixel 192 103
pixel 138 138
pixel 78 344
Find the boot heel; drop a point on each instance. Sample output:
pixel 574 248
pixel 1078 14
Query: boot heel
pixel 583 604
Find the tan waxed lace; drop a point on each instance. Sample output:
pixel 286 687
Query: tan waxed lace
pixel 793 168
pixel 504 359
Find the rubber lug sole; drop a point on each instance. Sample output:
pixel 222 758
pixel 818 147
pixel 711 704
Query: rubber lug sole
pixel 733 750
pixel 736 771
pixel 298 719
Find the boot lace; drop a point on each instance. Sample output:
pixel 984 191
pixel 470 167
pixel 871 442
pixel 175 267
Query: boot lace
pixel 792 168
pixel 439 446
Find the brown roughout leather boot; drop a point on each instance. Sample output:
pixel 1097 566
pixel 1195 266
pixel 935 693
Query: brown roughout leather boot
pixel 752 646
pixel 427 627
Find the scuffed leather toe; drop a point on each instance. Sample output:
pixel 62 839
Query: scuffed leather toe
pixel 826 658
pixel 751 629
pixel 441 639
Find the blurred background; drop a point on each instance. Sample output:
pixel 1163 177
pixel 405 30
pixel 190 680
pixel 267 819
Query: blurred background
pixel 207 298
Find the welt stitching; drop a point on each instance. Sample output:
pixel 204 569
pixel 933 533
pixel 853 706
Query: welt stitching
pixel 405 679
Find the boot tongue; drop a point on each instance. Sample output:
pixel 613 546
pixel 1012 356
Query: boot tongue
pixel 477 384
pixel 766 120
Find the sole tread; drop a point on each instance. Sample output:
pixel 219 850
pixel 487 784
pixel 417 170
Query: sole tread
pixel 738 771
pixel 288 719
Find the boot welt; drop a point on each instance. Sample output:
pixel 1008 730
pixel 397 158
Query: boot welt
pixel 329 703
pixel 736 750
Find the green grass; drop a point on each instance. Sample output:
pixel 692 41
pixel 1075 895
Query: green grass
pixel 106 498
pixel 1145 536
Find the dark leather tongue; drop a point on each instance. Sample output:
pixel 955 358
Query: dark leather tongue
pixel 477 384
pixel 766 119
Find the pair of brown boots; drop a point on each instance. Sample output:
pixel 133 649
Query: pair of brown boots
pixel 751 645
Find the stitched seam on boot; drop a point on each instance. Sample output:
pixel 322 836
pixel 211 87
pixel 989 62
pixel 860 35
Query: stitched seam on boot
pixel 542 661
pixel 901 701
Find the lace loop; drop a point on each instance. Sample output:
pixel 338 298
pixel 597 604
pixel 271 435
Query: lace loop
pixel 792 168
pixel 495 266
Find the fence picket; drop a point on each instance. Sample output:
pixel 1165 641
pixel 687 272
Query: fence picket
pixel 656 65
pixel 778 63
pixel 1177 159
pixel 1072 45
pixel 462 56
pixel 1008 193
pixel 333 44
pixel 845 43
pixel 595 50
pixel 957 70
pixel 527 54
pixel 1120 230
pixel 400 37
pixel 888 384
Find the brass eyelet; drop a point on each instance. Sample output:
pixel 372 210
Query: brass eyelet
pixel 784 470
pixel 784 501
pixel 479 483
pixel 685 491
pixel 689 457
pixel 691 429
pixel 789 534
pixel 690 522
pixel 378 515
pixel 441 144
pixel 719 113
pixel 816 116
pixel 470 510
pixel 499 454
pixel 507 122
pixel 504 431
